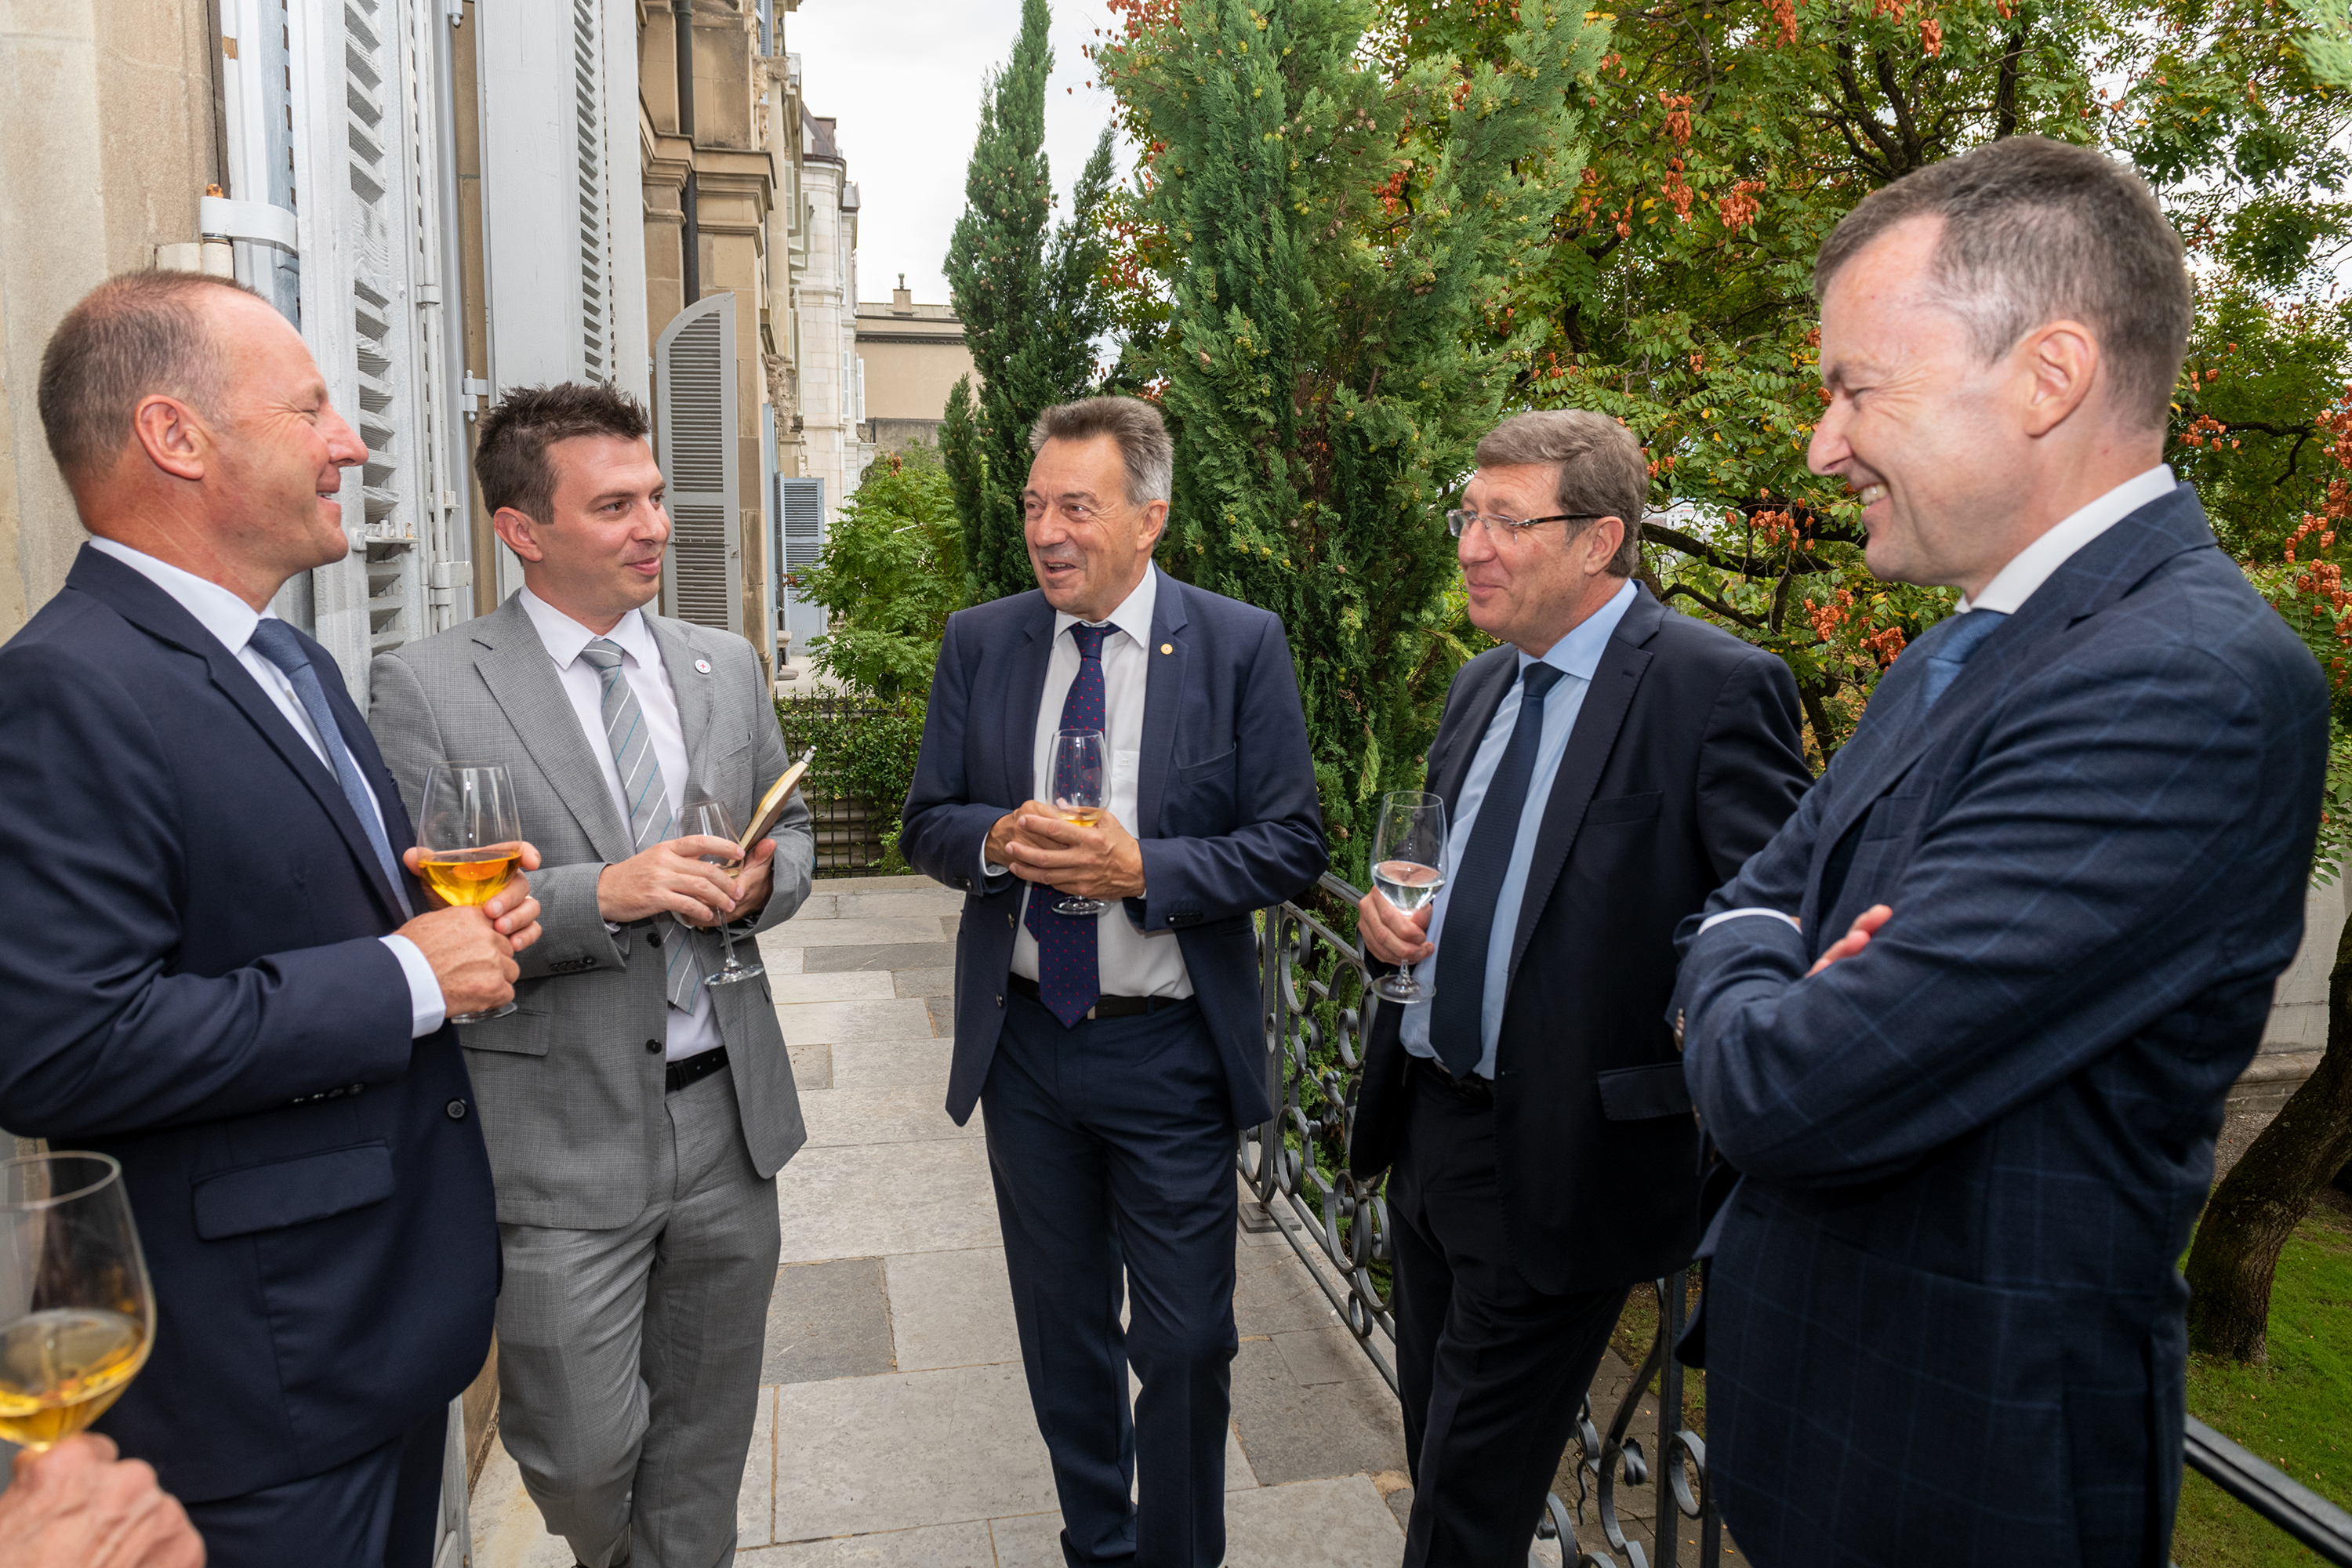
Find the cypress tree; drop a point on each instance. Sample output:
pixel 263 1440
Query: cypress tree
pixel 1330 234
pixel 1032 303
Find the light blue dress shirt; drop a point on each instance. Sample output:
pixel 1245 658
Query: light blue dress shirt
pixel 1575 656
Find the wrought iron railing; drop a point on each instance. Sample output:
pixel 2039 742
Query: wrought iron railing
pixel 1316 1004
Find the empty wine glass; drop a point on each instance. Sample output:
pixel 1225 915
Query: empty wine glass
pixel 77 1313
pixel 1081 793
pixel 1408 869
pixel 705 816
pixel 472 837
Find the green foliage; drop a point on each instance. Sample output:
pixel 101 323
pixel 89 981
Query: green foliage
pixel 2296 1413
pixel 865 752
pixel 890 575
pixel 1032 305
pixel 2262 371
pixel 1325 232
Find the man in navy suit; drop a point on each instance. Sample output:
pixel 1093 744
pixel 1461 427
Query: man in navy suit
pixel 2061 859
pixel 1116 1053
pixel 218 968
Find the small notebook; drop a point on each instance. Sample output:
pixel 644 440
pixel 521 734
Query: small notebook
pixel 772 804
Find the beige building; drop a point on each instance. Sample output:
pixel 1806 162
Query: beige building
pixel 913 355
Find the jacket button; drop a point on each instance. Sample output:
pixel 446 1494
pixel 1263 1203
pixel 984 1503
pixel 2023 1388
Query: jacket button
pixel 653 939
pixel 1010 921
pixel 456 1110
pixel 999 1001
pixel 654 1046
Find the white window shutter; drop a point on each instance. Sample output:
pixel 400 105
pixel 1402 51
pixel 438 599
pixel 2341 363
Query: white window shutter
pixel 799 510
pixel 592 169
pixel 694 390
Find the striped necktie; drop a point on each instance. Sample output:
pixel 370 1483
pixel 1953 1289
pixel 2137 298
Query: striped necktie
pixel 651 819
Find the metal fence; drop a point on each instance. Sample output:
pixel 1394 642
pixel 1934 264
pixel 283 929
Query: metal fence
pixel 1316 1004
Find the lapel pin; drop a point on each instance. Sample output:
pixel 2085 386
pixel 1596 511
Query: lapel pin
pixel 702 666
pixel 1168 648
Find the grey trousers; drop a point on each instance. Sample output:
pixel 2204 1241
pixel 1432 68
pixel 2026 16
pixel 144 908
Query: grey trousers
pixel 629 1359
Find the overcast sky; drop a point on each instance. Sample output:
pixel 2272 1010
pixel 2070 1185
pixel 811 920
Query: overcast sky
pixel 904 79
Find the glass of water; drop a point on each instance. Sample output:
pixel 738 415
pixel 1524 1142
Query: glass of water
pixel 1408 868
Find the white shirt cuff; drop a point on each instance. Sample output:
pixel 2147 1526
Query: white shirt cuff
pixel 1713 921
pixel 989 868
pixel 426 1010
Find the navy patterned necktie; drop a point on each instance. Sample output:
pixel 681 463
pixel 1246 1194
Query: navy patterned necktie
pixel 1457 1015
pixel 1070 979
pixel 282 647
pixel 1952 650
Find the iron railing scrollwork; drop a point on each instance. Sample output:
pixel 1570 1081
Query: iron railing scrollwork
pixel 1317 1004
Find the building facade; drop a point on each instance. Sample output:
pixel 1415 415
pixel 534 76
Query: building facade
pixel 913 355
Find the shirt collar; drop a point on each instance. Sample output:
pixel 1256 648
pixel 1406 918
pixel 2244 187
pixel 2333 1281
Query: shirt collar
pixel 1579 653
pixel 229 618
pixel 1133 615
pixel 2032 566
pixel 565 638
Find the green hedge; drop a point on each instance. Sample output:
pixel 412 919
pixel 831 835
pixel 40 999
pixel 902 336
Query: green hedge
pixel 865 752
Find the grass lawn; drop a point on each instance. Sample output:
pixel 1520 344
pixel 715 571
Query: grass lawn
pixel 2296 1412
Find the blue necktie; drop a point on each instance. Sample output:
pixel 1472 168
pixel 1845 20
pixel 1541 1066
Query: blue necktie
pixel 282 647
pixel 1069 979
pixel 1457 1016
pixel 1953 649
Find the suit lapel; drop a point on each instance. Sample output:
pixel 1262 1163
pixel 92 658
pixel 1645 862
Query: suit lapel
pixel 515 667
pixel 689 687
pixel 1024 693
pixel 1163 695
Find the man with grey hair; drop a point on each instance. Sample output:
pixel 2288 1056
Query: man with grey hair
pixel 1107 988
pixel 1601 771
pixel 1967 1024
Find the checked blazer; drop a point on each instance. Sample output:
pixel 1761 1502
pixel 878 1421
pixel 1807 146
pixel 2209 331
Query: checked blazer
pixel 1943 1323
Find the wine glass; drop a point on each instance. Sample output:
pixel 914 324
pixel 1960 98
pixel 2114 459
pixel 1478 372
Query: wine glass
pixel 472 837
pixel 1408 868
pixel 703 814
pixel 1081 791
pixel 77 1313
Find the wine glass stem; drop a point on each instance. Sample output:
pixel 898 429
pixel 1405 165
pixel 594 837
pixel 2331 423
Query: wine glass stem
pixel 727 935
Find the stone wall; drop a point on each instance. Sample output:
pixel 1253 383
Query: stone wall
pixel 2297 1032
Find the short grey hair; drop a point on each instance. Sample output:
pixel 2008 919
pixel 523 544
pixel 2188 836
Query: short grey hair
pixel 1602 472
pixel 131 337
pixel 1134 425
pixel 2036 231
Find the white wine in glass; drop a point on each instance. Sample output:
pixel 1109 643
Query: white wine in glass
pixel 77 1313
pixel 1408 870
pixel 472 838
pixel 1081 774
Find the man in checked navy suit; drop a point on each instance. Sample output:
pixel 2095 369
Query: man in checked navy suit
pixel 1967 1024
pixel 216 967
pixel 1115 1054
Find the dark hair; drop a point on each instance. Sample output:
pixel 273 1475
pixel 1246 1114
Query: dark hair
pixel 1601 470
pixel 130 337
pixel 510 453
pixel 1134 425
pixel 2037 231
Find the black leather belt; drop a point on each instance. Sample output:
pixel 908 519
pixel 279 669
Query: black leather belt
pixel 1471 1088
pixel 694 1068
pixel 1105 1006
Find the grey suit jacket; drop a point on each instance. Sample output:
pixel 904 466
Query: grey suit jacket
pixel 570 1082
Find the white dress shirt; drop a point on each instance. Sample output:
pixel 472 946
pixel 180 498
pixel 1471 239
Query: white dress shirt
pixel 690 1033
pixel 1129 962
pixel 2032 566
pixel 1576 657
pixel 231 622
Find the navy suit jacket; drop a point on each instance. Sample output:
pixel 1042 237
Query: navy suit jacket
pixel 1685 759
pixel 190 962
pixel 1225 807
pixel 1943 1319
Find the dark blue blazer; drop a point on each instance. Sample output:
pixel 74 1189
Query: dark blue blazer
pixel 1943 1321
pixel 1224 799
pixel 190 960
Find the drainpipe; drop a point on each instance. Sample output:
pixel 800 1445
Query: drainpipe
pixel 690 237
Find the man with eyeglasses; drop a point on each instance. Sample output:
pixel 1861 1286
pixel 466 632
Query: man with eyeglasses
pixel 1603 771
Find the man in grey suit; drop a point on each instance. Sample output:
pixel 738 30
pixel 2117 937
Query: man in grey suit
pixel 635 1116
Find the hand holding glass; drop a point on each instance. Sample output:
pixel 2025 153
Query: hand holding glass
pixel 706 815
pixel 472 837
pixel 77 1314
pixel 1081 775
pixel 1408 868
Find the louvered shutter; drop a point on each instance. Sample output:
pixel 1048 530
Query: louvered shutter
pixel 592 178
pixel 800 512
pixel 694 387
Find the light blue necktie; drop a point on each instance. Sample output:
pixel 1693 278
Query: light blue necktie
pixel 1952 651
pixel 282 645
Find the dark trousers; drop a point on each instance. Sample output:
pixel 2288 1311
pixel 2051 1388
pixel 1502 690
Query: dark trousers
pixel 378 1510
pixel 1491 1370
pixel 1111 1150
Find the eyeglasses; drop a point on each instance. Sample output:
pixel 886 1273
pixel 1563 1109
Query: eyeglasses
pixel 1499 528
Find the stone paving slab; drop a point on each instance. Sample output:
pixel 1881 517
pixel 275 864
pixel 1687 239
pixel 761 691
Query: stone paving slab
pixel 933 1546
pixel 846 985
pixel 812 1067
pixel 927 952
pixel 882 1199
pixel 879 1064
pixel 846 1115
pixel 1334 1523
pixel 836 1022
pixel 940 982
pixel 882 931
pixel 827 1320
pixel 921 1447
pixel 897 906
pixel 951 1309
